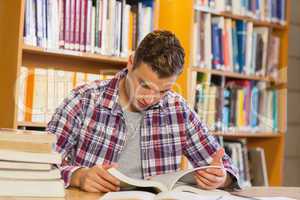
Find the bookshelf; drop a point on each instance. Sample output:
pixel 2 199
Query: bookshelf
pixel 271 142
pixel 176 16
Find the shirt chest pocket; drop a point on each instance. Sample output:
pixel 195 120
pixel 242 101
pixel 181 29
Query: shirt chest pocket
pixel 103 139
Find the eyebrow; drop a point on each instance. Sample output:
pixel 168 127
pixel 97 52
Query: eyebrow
pixel 145 82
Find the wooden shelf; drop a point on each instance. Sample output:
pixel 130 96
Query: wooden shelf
pixel 244 134
pixel 75 54
pixel 235 75
pixel 66 59
pixel 256 22
pixel 32 124
pixel 237 134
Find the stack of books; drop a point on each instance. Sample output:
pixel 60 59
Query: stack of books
pixel 27 164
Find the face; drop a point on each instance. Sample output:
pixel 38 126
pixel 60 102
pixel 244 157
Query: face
pixel 144 87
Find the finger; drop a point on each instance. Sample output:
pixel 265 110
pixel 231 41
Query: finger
pixel 108 177
pixel 216 172
pixel 202 184
pixel 206 182
pixel 90 189
pixel 217 157
pixel 111 187
pixel 92 186
pixel 98 187
pixel 210 177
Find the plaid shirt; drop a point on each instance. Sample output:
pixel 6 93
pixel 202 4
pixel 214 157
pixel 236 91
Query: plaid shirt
pixel 90 130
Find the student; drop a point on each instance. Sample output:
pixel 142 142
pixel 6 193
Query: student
pixel 136 123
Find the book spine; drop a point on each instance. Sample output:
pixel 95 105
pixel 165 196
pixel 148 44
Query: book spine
pixel 67 23
pixel 83 25
pixel 100 25
pixel 33 38
pixel 216 61
pixel 241 38
pixel 72 24
pixel 62 18
pixel 93 29
pixel 77 28
pixel 39 23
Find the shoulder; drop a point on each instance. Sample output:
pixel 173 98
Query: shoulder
pixel 175 102
pixel 91 90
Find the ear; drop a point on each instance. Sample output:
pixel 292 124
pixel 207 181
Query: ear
pixel 130 62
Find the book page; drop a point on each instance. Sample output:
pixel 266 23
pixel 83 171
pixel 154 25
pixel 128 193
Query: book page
pixel 216 193
pixel 186 176
pixel 128 195
pixel 131 183
pixel 185 195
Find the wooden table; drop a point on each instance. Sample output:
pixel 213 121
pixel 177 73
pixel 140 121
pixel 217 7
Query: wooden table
pixel 75 194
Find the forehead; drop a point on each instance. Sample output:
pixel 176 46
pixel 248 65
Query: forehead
pixel 145 73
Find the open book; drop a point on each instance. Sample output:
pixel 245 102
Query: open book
pixel 167 185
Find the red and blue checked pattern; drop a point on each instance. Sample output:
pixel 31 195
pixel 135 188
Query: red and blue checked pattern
pixel 90 129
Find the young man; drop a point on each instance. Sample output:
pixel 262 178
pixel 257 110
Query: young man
pixel 137 124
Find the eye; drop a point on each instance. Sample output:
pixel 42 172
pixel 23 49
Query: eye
pixel 144 85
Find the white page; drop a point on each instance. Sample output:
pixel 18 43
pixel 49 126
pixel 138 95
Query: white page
pixel 275 198
pixel 185 176
pixel 125 195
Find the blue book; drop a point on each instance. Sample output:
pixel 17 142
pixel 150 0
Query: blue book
pixel 221 46
pixel 216 51
pixel 281 10
pixel 241 28
pixel 275 110
pixel 257 9
pixel 226 108
pixel 235 50
pixel 274 10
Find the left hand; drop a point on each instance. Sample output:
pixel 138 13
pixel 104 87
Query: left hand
pixel 213 178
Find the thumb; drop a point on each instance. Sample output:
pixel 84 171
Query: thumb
pixel 217 157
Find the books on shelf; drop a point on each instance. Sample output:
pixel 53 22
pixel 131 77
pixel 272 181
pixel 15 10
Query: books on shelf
pixel 258 167
pixel 42 91
pixel 251 162
pixel 238 152
pixel 238 106
pixel 107 27
pixel 264 10
pixel 234 45
pixel 32 171
pixel 163 186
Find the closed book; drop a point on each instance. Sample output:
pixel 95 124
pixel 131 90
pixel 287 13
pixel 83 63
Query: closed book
pixel 32 188
pixel 26 146
pixel 53 158
pixel 52 174
pixel 15 135
pixel 13 165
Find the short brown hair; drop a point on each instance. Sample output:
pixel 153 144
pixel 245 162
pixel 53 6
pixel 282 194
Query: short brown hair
pixel 162 51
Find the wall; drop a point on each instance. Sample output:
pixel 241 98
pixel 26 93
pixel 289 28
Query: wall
pixel 292 146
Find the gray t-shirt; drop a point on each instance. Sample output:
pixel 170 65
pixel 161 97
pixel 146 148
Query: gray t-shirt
pixel 129 162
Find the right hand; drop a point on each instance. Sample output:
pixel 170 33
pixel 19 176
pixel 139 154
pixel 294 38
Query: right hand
pixel 95 179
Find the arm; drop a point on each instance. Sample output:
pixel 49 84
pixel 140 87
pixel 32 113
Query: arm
pixel 201 148
pixel 66 125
